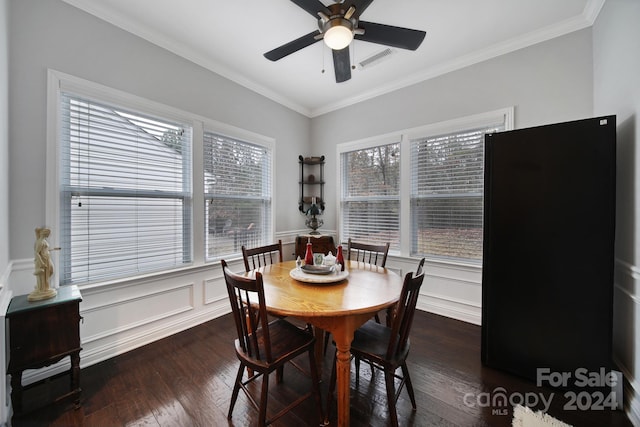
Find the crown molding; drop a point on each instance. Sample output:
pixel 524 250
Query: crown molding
pixel 586 19
pixel 529 39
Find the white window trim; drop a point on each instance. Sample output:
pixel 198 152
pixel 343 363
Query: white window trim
pixel 232 132
pixel 58 81
pixel 361 144
pixel 404 137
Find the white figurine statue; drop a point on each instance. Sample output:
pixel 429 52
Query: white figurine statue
pixel 43 266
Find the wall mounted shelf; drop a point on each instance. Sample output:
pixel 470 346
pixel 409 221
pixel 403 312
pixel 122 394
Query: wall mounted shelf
pixel 311 183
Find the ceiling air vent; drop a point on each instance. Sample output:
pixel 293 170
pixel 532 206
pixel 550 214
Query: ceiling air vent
pixel 376 58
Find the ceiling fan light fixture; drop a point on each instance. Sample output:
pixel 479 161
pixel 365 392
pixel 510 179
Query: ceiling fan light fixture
pixel 338 33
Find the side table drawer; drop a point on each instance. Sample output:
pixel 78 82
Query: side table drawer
pixel 40 334
pixel 42 339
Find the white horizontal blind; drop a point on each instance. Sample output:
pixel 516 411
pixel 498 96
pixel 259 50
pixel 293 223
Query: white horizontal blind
pixel 447 185
pixel 238 195
pixel 125 193
pixel 370 199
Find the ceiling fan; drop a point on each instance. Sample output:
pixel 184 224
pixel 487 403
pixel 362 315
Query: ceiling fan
pixel 338 25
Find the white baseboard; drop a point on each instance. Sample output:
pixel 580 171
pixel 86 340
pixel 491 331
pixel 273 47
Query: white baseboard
pixel 627 282
pixel 99 353
pixel 631 398
pixel 459 310
pixel 433 299
pixel 633 404
pixel 96 352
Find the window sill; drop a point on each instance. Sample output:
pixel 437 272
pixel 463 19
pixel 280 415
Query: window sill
pixel 154 276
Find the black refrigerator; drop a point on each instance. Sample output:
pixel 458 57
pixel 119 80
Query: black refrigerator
pixel 548 250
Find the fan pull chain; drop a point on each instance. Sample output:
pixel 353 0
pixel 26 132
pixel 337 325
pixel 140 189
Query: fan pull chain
pixel 353 54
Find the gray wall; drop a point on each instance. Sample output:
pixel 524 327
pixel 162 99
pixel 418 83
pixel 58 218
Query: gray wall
pixel 616 57
pixel 5 269
pixel 546 83
pixel 575 76
pixel 51 34
pixel 4 140
pixel 549 82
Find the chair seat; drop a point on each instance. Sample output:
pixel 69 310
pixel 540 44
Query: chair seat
pixel 264 346
pixel 286 339
pixel 386 348
pixel 372 340
pixel 369 254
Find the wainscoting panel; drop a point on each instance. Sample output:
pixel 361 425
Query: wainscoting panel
pixel 119 317
pixel 466 311
pixel 123 316
pixel 214 290
pixel 453 291
pixel 115 314
pixel 626 328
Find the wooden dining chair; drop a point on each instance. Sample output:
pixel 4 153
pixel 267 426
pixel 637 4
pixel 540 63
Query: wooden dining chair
pixel 265 346
pixel 370 254
pixel 386 348
pixel 420 267
pixel 367 252
pixel 260 256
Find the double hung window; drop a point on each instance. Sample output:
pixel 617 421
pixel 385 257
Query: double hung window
pixel 121 176
pixel 447 184
pixel 370 194
pixel 430 203
pixel 237 195
pixel 125 193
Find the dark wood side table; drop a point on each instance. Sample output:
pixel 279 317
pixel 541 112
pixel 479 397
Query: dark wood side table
pixel 42 333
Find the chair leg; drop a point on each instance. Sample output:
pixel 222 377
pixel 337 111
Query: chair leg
pixel 391 397
pixel 236 389
pixel 407 382
pixel 357 363
pixel 262 418
pixel 313 367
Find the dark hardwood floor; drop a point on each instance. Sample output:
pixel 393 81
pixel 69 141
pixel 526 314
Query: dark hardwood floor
pixel 186 379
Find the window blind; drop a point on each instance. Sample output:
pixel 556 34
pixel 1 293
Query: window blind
pixel 370 199
pixel 447 185
pixel 125 193
pixel 238 195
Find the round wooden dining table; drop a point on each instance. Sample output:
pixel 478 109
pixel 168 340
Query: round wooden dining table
pixel 338 307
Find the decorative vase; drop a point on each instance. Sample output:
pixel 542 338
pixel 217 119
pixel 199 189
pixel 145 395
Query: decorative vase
pixel 308 256
pixel 340 257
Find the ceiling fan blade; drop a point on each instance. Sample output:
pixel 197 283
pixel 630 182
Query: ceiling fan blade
pixel 313 7
pixel 292 46
pixel 360 5
pixel 342 64
pixel 403 38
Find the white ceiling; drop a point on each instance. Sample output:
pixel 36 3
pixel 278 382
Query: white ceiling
pixel 230 37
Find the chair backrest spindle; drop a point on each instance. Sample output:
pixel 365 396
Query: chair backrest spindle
pixel 257 333
pixel 262 255
pixel 246 295
pixel 368 253
pixel 403 320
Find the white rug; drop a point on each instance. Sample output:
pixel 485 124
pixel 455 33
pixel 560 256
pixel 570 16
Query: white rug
pixel 525 417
